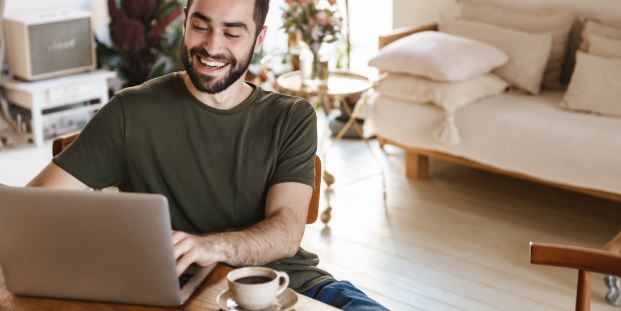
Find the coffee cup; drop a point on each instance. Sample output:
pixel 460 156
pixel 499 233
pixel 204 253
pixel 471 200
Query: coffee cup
pixel 255 288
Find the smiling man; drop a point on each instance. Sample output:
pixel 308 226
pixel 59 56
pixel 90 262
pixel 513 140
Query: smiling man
pixel 235 162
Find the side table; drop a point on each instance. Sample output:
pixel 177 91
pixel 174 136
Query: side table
pixel 340 85
pixel 55 94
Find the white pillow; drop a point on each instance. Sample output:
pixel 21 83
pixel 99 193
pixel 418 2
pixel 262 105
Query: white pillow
pixel 603 46
pixel 439 56
pixel 556 22
pixel 528 52
pixel 595 85
pixel 592 27
pixel 448 95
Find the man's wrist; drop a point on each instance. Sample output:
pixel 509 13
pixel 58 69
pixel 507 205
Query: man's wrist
pixel 215 246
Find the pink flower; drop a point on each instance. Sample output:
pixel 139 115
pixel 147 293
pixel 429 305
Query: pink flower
pixel 307 2
pixel 332 2
pixel 322 19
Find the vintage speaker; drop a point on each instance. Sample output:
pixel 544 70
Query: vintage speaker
pixel 45 45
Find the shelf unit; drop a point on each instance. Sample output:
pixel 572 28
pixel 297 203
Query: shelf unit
pixel 63 95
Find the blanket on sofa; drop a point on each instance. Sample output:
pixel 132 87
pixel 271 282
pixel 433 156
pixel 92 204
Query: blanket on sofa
pixel 521 133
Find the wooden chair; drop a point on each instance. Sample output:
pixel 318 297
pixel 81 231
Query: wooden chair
pixel 63 142
pixel 585 260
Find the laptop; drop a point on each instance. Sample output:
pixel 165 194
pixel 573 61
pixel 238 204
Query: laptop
pixel 100 246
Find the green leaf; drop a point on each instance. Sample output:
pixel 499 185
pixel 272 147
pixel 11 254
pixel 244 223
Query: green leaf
pixel 158 71
pixel 168 8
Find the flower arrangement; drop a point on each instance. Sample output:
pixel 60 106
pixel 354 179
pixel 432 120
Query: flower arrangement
pixel 145 38
pixel 315 21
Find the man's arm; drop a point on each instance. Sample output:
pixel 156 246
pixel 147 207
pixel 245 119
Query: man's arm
pixel 278 236
pixel 52 176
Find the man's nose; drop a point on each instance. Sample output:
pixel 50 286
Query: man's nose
pixel 213 43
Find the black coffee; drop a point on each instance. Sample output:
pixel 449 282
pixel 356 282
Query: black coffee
pixel 253 280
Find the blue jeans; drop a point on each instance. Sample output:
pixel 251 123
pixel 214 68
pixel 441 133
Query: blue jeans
pixel 343 295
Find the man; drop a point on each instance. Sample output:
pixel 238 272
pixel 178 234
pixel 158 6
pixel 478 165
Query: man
pixel 234 161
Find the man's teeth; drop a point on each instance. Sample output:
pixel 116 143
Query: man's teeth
pixel 212 64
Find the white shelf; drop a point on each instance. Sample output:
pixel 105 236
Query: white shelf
pixel 38 96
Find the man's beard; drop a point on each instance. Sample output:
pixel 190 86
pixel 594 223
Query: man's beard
pixel 207 83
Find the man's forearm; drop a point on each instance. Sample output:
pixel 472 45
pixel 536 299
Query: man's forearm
pixel 277 236
pixel 264 242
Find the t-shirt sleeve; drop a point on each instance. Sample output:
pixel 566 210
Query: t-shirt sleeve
pixel 97 156
pixel 296 156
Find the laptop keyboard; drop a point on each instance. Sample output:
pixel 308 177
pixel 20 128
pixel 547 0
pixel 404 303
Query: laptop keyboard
pixel 184 278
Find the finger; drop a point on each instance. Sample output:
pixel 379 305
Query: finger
pixel 178 236
pixel 182 248
pixel 183 263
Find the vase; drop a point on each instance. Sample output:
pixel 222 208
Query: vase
pixel 313 68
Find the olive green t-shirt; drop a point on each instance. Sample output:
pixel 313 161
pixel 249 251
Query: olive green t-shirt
pixel 214 166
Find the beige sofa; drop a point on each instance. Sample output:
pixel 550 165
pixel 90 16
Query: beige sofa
pixel 514 134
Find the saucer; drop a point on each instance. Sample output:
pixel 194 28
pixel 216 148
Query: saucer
pixel 285 301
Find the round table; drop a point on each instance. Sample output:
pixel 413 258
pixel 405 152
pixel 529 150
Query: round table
pixel 340 85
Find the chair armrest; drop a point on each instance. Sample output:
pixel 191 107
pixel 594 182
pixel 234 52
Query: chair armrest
pixel 585 259
pixel 614 246
pixel 61 142
pixel 313 206
pixel 399 33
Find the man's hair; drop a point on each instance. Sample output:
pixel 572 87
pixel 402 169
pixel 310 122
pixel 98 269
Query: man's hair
pixel 260 12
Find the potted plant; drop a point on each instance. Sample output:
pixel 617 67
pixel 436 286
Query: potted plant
pixel 146 35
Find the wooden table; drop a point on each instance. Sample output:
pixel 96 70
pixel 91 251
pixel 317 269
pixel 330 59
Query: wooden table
pixel 203 299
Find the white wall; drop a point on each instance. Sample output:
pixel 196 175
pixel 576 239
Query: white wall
pixel 420 12
pixel 417 12
pixel 605 10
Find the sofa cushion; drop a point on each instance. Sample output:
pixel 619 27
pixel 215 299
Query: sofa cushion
pixel 594 27
pixel 603 46
pixel 528 52
pixel 526 134
pixel 557 22
pixel 447 95
pixel 595 85
pixel 439 56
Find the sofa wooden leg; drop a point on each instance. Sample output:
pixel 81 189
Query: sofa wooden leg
pixel 416 166
pixel 381 141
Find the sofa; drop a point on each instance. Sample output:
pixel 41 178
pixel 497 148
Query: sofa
pixel 516 134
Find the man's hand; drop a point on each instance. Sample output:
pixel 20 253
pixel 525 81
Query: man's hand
pixel 191 249
pixel 277 236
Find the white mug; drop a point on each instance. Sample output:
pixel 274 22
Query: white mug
pixel 255 288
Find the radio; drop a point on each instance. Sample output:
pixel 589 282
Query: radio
pixel 45 45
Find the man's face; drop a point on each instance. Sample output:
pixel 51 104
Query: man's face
pixel 219 42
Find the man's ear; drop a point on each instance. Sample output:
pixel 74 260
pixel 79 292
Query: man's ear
pixel 260 38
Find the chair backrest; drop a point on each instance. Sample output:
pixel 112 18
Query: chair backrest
pixel 584 260
pixel 63 142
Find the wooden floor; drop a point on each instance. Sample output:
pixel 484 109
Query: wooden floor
pixel 456 242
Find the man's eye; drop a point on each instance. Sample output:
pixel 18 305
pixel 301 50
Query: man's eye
pixel 231 35
pixel 199 28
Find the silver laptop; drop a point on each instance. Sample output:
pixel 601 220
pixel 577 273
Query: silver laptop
pixel 101 246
